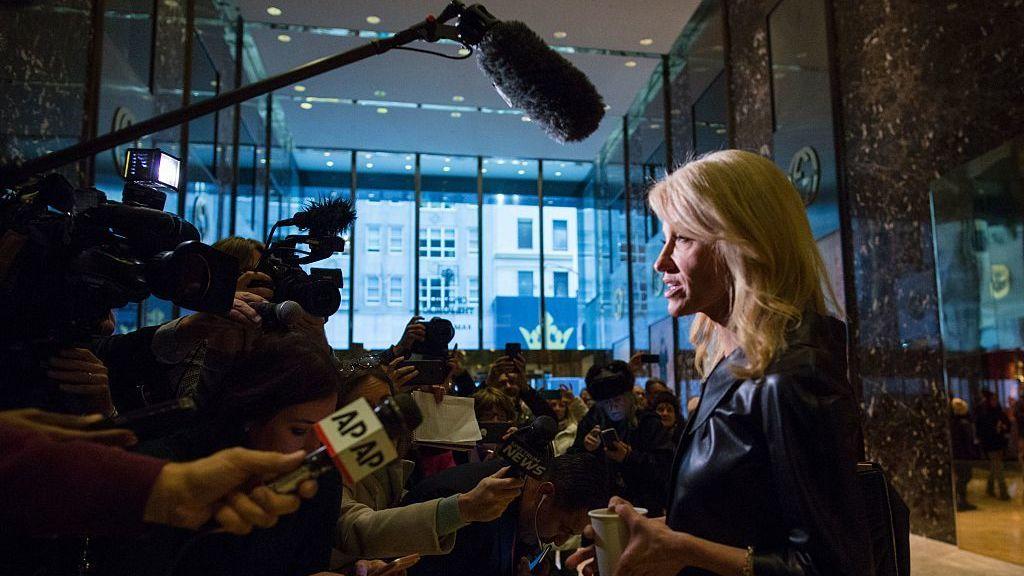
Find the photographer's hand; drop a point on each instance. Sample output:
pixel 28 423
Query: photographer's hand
pixel 65 427
pixel 414 332
pixel 263 284
pixel 80 373
pixel 400 376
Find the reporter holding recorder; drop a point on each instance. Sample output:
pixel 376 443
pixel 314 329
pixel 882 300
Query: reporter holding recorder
pixel 764 476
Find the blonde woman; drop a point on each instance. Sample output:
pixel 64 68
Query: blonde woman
pixel 764 475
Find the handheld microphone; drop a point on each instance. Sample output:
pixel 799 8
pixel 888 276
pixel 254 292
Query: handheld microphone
pixel 527 449
pixel 281 314
pixel 357 439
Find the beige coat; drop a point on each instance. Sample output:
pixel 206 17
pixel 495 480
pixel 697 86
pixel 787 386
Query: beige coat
pixel 373 526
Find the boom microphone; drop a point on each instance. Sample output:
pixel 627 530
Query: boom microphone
pixel 531 76
pixel 323 217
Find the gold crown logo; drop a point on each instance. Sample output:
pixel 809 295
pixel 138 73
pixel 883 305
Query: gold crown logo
pixel 557 339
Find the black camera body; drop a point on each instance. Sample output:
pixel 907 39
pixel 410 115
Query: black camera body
pixel 68 256
pixel 440 333
pixel 319 291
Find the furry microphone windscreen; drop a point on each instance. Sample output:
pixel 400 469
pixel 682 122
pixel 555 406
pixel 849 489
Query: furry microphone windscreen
pixel 541 82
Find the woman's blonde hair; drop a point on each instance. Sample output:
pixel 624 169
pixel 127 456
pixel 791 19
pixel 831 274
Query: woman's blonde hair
pixel 742 205
pixel 246 250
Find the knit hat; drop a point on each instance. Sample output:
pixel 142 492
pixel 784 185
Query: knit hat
pixel 608 381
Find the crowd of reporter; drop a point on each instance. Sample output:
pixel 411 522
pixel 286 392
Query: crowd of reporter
pixel 86 499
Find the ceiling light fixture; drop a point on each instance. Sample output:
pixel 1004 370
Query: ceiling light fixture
pixel 446 169
pixel 327 153
pixel 369 164
pixel 273 10
pixel 520 172
pixel 373 19
pixel 526 119
pixel 558 173
pixel 500 162
pixel 483 170
pixel 330 163
pixel 305 105
pixel 380 93
pixel 464 51
pixel 630 64
pixel 457 98
pixel 559 34
pixel 447 160
pixel 284 38
pixel 456 114
pixel 646 41
pixel 382 110
pixel 408 166
pixel 368 156
pixel 299 88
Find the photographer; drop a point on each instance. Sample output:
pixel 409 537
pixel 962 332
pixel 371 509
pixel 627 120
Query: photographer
pixel 374 524
pixel 633 443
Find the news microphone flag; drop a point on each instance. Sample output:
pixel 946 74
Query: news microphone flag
pixel 356 440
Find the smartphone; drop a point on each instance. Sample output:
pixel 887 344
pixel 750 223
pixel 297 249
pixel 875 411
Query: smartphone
pixel 513 349
pixel 493 431
pixel 650 358
pixel 609 437
pixel 152 421
pixel 431 372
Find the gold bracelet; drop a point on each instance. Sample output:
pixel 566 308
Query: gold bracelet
pixel 748 564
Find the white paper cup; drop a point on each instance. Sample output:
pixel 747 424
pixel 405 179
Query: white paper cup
pixel 610 538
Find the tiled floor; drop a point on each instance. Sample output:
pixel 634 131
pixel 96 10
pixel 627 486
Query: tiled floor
pixel 996 528
pixel 933 558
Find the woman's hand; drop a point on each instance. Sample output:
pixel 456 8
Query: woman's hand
pixel 654 549
pixel 619 452
pixel 593 439
pixel 400 375
pixel 81 374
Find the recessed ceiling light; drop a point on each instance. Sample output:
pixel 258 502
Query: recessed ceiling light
pixel 456 114
pixel 305 105
pixel 447 160
pixel 457 98
pixel 646 41
pixel 330 163
pixel 561 164
pixel 368 156
pixel 446 169
pixel 382 110
pixel 630 63
pixel 263 160
pixel 327 153
pixel 520 172
pixel 369 164
pixel 655 126
pixel 408 166
pixel 408 157
pixel 525 119
pixel 500 162
pixel 483 170
pixel 464 51
pixel 558 173
pixel 607 107
pixel 273 10
pixel 299 88
pixel 213 83
pixel 284 38
pixel 373 19
pixel 559 34
pixel 380 93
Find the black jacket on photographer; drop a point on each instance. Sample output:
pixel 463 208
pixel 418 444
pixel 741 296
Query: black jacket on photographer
pixel 771 462
pixel 642 475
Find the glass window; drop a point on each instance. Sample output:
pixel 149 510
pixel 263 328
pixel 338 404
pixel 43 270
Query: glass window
pixel 526 283
pixel 509 197
pixel 437 242
pixel 395 240
pixel 561 284
pixel 473 290
pixel 385 197
pixel 395 292
pixel 373 289
pixel 373 238
pixel 448 184
pixel 473 240
pixel 560 235
pixel 525 234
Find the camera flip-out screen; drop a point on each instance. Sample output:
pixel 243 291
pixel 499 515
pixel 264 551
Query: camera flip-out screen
pixel 151 166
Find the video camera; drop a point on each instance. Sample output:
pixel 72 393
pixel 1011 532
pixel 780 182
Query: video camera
pixel 68 256
pixel 319 292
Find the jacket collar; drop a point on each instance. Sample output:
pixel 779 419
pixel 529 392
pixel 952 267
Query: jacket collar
pixel 715 388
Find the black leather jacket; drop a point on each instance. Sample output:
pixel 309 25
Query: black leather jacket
pixel 770 463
